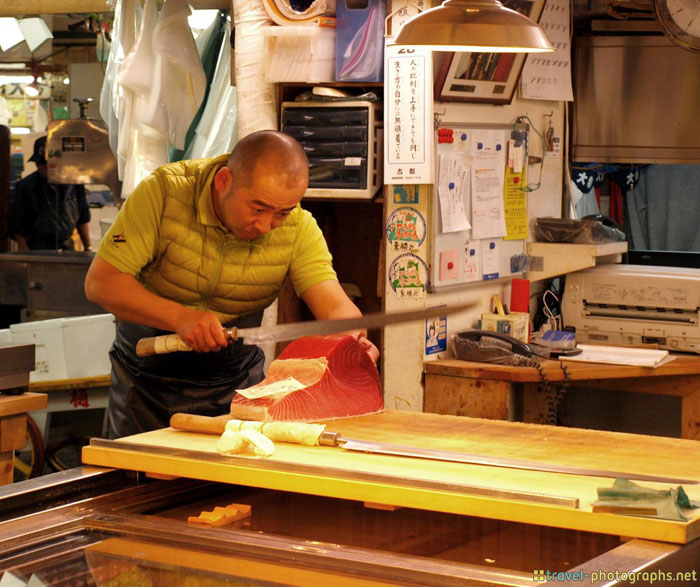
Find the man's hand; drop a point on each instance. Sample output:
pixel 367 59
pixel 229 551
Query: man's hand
pixel 368 345
pixel 202 331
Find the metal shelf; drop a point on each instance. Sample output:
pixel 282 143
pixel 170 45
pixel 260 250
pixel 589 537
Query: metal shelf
pixel 553 259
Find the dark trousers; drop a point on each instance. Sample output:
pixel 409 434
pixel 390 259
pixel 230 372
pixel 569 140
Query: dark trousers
pixel 146 391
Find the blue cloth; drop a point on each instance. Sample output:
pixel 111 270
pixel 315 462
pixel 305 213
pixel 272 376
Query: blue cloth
pixel 664 209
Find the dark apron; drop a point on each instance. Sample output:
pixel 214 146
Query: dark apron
pixel 146 391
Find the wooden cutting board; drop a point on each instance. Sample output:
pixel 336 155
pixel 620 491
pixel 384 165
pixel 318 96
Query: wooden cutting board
pixel 493 492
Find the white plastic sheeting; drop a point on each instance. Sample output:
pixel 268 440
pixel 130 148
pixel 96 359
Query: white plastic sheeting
pixel 257 101
pixel 216 131
pixel 179 82
pixel 154 85
pixel 127 18
pixel 142 147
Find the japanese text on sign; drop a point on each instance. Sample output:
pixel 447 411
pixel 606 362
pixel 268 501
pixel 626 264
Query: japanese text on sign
pixel 408 122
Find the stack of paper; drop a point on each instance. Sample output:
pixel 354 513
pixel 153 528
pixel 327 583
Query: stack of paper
pixel 617 355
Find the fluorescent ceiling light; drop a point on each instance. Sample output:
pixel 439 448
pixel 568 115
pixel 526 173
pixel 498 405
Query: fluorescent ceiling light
pixel 19 130
pixel 473 25
pixel 10 33
pixel 16 79
pixel 35 32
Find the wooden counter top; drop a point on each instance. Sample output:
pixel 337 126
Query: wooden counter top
pixel 437 485
pixel 680 365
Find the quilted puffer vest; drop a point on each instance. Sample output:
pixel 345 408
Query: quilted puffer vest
pixel 201 264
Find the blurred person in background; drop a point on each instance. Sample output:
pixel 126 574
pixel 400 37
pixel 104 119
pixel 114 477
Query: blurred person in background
pixel 45 215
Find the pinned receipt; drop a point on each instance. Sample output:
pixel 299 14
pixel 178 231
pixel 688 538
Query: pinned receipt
pixel 282 386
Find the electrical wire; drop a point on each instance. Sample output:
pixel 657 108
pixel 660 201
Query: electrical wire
pixel 531 187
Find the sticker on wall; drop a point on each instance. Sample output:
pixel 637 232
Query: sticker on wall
pixel 405 229
pixel 408 275
pixel 435 335
pixel 405 194
pixel 471 260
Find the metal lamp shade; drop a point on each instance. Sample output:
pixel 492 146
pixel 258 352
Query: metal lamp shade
pixel 473 25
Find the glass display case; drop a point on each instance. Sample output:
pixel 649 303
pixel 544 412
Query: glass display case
pixel 110 528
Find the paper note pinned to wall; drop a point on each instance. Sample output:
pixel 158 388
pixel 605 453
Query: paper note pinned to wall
pixel 449 264
pixel 489 260
pixel 453 186
pixel 472 256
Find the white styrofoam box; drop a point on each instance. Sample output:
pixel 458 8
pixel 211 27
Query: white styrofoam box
pixel 47 335
pixel 86 343
pixel 5 336
pixel 299 53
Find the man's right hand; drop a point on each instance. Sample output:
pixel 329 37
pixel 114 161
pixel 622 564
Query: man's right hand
pixel 201 330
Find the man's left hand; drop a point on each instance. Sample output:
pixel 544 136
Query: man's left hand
pixel 368 346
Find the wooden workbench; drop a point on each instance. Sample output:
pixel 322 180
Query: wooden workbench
pixel 486 390
pixel 13 428
pixel 532 497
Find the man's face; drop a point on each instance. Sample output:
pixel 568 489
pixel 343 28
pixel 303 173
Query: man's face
pixel 250 211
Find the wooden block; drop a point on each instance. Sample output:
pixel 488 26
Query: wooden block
pixel 222 516
pixel 162 476
pixel 13 432
pixel 459 396
pixel 382 506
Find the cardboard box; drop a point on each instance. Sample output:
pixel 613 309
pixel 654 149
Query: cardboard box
pixel 359 40
pixel 299 53
pixel 515 324
pixel 47 335
pixel 86 343
pixel 68 348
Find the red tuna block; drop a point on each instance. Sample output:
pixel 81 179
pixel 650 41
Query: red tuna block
pixel 314 378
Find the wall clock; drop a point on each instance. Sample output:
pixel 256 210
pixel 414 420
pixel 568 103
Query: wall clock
pixel 680 20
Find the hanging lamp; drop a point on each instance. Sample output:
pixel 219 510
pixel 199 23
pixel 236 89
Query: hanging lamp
pixel 473 25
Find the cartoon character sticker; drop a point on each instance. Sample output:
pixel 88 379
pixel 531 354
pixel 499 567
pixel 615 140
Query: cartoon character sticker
pixel 408 276
pixel 405 229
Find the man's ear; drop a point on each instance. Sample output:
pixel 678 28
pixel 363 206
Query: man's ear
pixel 223 179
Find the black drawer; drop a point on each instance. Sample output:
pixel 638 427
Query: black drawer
pixel 335 149
pixel 326 133
pixel 338 172
pixel 325 116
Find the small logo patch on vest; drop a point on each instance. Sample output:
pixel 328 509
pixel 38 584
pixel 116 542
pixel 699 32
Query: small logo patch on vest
pixel 118 238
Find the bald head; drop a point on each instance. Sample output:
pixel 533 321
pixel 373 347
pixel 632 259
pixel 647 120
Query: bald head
pixel 271 153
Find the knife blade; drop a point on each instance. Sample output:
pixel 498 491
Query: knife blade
pixel 334 439
pixel 217 425
pixel 168 343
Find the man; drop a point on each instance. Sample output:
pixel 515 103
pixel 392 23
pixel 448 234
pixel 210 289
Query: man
pixel 196 245
pixel 44 215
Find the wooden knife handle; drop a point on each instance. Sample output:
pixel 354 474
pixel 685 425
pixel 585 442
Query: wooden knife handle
pixel 203 424
pixel 157 345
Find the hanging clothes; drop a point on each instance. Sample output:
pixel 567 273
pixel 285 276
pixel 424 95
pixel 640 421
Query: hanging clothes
pixel 179 80
pixel 142 147
pixel 664 208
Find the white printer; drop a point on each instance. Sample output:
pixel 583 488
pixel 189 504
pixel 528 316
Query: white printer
pixel 635 304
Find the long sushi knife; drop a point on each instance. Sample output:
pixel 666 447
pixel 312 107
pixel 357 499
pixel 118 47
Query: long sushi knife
pixel 373 447
pixel 217 425
pixel 169 343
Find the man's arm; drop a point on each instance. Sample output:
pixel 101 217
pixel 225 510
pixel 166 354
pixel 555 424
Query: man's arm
pixel 328 301
pixel 123 295
pixel 84 232
pixel 22 244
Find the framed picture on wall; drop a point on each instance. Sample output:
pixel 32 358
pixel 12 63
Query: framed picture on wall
pixel 484 77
